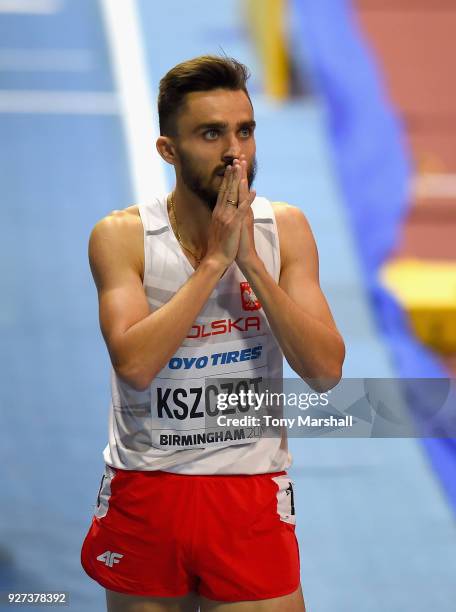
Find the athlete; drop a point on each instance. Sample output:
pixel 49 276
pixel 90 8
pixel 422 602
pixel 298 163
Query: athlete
pixel 207 283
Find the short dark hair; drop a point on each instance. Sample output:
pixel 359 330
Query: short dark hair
pixel 202 73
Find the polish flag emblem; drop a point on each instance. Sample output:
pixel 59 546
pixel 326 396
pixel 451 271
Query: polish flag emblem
pixel 249 299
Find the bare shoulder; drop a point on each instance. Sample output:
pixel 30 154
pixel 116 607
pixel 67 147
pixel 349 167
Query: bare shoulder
pixel 293 228
pixel 117 240
pixel 119 222
pixel 287 215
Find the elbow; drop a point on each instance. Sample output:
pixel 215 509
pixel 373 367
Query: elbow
pixel 133 377
pixel 329 373
pixel 139 384
pixel 333 373
pixel 324 383
pixel 320 380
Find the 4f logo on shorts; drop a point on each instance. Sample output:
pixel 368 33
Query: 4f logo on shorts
pixel 109 558
pixel 249 299
pixel 289 491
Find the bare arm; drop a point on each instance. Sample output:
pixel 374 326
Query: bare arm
pixel 140 342
pixel 296 308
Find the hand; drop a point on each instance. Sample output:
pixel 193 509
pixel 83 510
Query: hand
pixel 227 219
pixel 246 252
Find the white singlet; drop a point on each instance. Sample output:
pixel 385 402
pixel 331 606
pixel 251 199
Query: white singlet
pixel 166 426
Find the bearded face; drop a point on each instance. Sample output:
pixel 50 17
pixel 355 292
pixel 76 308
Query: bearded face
pixel 206 184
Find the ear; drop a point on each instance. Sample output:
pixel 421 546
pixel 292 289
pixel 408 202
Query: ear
pixel 166 150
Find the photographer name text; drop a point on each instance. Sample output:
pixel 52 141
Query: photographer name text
pixel 270 421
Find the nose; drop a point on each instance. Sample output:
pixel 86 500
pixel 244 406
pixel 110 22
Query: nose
pixel 232 149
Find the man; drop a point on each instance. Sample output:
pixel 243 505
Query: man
pixel 209 281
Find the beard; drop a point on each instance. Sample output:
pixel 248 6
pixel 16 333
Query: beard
pixel 200 185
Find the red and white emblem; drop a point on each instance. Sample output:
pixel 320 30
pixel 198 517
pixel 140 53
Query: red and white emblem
pixel 249 299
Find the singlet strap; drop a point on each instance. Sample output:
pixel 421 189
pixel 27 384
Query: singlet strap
pixel 154 217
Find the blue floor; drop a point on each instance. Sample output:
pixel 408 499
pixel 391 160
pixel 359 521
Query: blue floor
pixel 60 172
pixel 375 532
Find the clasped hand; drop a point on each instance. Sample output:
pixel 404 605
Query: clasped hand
pixel 231 235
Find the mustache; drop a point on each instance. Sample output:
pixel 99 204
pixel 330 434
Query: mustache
pixel 222 169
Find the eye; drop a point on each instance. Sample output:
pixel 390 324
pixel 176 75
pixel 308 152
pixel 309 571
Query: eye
pixel 211 134
pixel 246 132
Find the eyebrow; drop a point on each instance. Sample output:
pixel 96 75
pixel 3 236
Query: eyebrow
pixel 221 125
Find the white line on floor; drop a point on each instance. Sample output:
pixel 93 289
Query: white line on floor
pixel 138 107
pixel 35 7
pixel 59 102
pixel 47 60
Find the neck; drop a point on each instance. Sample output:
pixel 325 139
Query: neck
pixel 193 218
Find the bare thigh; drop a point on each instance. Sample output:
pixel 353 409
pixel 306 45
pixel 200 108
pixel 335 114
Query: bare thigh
pixel 119 602
pixel 288 603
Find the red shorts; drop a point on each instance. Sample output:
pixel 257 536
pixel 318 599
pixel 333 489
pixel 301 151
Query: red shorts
pixel 228 538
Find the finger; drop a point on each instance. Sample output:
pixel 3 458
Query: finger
pixel 244 191
pixel 247 203
pixel 226 175
pixel 237 163
pixel 233 191
pixel 224 187
pixel 243 162
pixel 243 184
